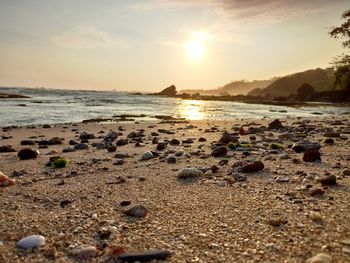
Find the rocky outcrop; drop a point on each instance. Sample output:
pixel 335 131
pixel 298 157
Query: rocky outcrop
pixel 169 91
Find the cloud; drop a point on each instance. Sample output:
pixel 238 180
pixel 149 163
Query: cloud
pixel 252 10
pixel 85 37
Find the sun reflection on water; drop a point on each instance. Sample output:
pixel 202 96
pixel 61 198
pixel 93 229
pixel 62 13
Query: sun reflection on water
pixel 192 110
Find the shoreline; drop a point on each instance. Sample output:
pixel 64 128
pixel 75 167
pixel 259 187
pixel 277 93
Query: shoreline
pixel 221 214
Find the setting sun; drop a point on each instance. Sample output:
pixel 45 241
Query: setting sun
pixel 196 47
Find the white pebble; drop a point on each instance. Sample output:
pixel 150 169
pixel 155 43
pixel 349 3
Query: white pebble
pixel 30 242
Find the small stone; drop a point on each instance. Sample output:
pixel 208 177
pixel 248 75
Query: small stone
pixel 320 258
pixel 27 142
pixel 85 253
pixel 329 141
pixel 346 172
pixel 122 142
pixel 6 149
pixel 332 134
pixel 137 211
pixel 189 173
pixel 111 148
pixel 145 256
pixel 27 153
pixel 276 222
pixel 174 142
pixel 68 150
pixel 305 145
pixel 275 125
pixel 147 156
pixel 202 139
pixel 5 181
pixel 312 155
pixel 81 146
pixel 316 191
pixel 282 179
pixel 171 159
pixel 161 146
pixel 315 216
pixel 125 203
pixel 226 138
pixel 55 141
pixel 86 136
pixel 219 152
pixel 327 180
pixel 31 242
pixel 253 167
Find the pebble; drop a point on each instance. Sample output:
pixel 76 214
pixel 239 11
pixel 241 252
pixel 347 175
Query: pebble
pixel 81 146
pixel 346 172
pixel 85 253
pixel 305 145
pixel 31 242
pixel 171 159
pixel 5 181
pixel 320 258
pixel 253 167
pixel 327 180
pixel 6 149
pixel 275 125
pixel 189 173
pixel 137 211
pixel 312 155
pixel 147 156
pixel 316 191
pixel 226 138
pixel 144 256
pixel 27 142
pixel 27 153
pixel 219 152
pixel 282 179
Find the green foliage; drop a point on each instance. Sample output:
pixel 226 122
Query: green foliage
pixel 276 146
pixel 234 145
pixel 60 163
pixel 342 63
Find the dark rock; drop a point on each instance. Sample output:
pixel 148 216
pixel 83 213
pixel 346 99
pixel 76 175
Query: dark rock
pixel 226 138
pixel 155 140
pixel 161 146
pixel 27 142
pixel 305 145
pixel 125 203
pixel 122 142
pixel 201 139
pixel 327 180
pixel 27 153
pixel 55 141
pixel 81 146
pixel 329 141
pixel 253 167
pixel 67 150
pixel 65 203
pixel 169 91
pixel 316 191
pixel 219 152
pixel 111 148
pixel 174 142
pixel 214 168
pixel 188 141
pixel 43 143
pixel 47 126
pixel 137 211
pixel 312 155
pixel 275 125
pixel 121 156
pixel 110 137
pixel 6 149
pixel 73 142
pixel 145 256
pixel 171 159
pixel 86 136
pixel 276 222
pixel 332 134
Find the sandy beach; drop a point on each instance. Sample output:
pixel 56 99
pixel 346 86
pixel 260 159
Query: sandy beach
pixel 108 202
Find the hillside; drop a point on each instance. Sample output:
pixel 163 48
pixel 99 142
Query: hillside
pixel 320 79
pixel 234 88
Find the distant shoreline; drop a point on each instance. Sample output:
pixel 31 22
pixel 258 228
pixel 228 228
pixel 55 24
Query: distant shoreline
pixel 13 96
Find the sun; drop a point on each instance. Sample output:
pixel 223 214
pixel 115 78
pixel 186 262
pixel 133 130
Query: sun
pixel 196 47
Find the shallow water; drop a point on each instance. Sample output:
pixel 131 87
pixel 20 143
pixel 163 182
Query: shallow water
pixel 65 106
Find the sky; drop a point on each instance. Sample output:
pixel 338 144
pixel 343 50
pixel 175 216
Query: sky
pixel 148 45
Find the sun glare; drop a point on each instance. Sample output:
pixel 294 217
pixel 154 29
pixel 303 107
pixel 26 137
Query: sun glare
pixel 196 47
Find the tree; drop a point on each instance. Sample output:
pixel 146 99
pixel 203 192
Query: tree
pixel 305 92
pixel 342 63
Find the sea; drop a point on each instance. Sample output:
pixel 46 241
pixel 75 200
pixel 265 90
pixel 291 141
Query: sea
pixel 51 106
